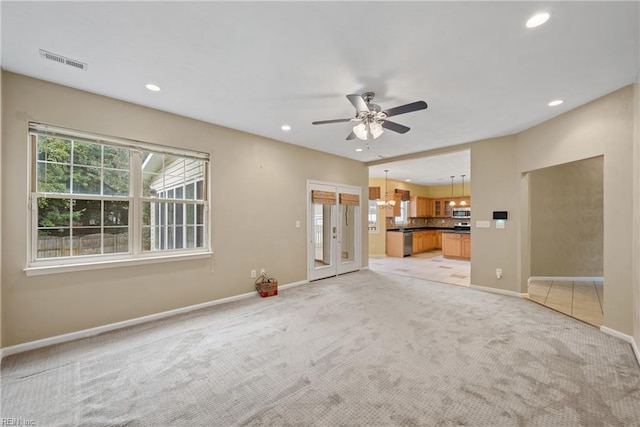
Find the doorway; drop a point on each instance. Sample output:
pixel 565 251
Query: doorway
pixel 335 231
pixel 566 238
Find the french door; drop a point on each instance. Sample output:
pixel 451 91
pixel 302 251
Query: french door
pixel 335 231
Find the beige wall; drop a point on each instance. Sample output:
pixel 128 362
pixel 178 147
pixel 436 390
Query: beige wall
pixel 258 193
pixel 603 127
pixel 636 213
pixel 566 219
pixel 1 149
pixel 495 187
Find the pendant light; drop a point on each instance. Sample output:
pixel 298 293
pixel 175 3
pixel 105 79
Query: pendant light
pixel 386 202
pixel 463 203
pixel 452 202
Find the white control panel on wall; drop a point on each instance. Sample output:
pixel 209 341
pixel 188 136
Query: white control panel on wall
pixel 483 224
pixel 500 223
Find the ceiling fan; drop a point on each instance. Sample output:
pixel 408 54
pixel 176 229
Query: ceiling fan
pixel 372 118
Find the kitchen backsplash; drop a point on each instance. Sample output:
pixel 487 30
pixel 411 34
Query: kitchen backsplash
pixel 425 222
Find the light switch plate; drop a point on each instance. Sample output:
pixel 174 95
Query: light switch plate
pixel 500 223
pixel 483 224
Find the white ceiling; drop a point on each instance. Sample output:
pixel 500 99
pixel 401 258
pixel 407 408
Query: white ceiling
pixel 255 66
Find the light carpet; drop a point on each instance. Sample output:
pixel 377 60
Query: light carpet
pixel 360 349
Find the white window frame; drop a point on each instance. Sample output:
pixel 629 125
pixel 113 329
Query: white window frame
pixel 136 254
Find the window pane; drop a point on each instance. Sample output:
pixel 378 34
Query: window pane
pixel 179 193
pixel 199 190
pixel 179 237
pixel 53 178
pixel 146 238
pixel 191 236
pixel 199 236
pixel 151 184
pixel 116 183
pixel 87 213
pixel 190 214
pixel 116 213
pixel 54 150
pixel 86 241
pixel 116 158
pixel 86 180
pixel 88 154
pixel 54 212
pixel 53 243
pixel 179 213
pixel 116 240
pixel 200 214
pixel 190 191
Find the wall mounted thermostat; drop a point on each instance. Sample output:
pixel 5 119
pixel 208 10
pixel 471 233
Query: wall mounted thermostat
pixel 500 215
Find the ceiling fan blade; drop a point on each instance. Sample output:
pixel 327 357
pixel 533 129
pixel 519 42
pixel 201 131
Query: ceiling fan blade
pixel 324 122
pixel 396 127
pixel 407 108
pixel 351 136
pixel 359 103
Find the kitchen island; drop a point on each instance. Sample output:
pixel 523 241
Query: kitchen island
pixel 456 244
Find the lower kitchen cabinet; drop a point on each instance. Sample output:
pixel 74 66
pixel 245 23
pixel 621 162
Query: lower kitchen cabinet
pixel 424 241
pixel 456 245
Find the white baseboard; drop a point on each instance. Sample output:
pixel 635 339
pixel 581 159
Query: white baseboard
pixel 499 291
pixel 293 285
pixel 564 279
pixel 85 333
pixel 624 337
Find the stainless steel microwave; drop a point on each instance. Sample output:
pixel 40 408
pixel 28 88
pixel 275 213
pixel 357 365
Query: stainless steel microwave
pixel 461 213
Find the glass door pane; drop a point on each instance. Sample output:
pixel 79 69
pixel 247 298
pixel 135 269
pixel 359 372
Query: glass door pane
pixel 323 235
pixel 348 240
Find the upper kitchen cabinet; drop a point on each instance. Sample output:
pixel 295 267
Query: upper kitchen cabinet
pixel 441 208
pixel 420 207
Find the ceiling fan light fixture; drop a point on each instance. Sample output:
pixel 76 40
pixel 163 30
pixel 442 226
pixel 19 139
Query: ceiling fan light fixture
pixel 360 131
pixel 376 129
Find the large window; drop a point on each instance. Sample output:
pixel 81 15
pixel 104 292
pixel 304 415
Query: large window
pixel 95 198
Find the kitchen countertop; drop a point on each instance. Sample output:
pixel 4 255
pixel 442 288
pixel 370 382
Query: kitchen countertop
pixel 420 229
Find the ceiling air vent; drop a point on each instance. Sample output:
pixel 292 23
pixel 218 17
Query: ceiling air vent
pixel 62 59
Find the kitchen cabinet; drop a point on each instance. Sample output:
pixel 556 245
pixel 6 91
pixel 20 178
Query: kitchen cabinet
pixel 424 241
pixel 419 207
pixel 441 208
pixel 393 211
pixel 438 239
pixel 456 245
pixel 466 246
pixel 395 244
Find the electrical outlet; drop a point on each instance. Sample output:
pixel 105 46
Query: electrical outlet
pixel 262 271
pixel 499 273
pixel 253 274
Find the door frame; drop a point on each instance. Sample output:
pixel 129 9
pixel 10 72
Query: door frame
pixel 337 265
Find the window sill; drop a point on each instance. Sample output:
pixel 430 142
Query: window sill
pixel 67 268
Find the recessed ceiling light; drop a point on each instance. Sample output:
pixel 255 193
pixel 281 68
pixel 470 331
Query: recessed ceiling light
pixel 407 180
pixel 285 128
pixel 358 149
pixel 152 87
pixel 555 102
pixel 537 20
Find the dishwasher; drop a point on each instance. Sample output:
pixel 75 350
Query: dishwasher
pixel 408 243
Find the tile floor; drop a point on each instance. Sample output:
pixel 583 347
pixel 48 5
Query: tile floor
pixel 428 265
pixel 582 300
